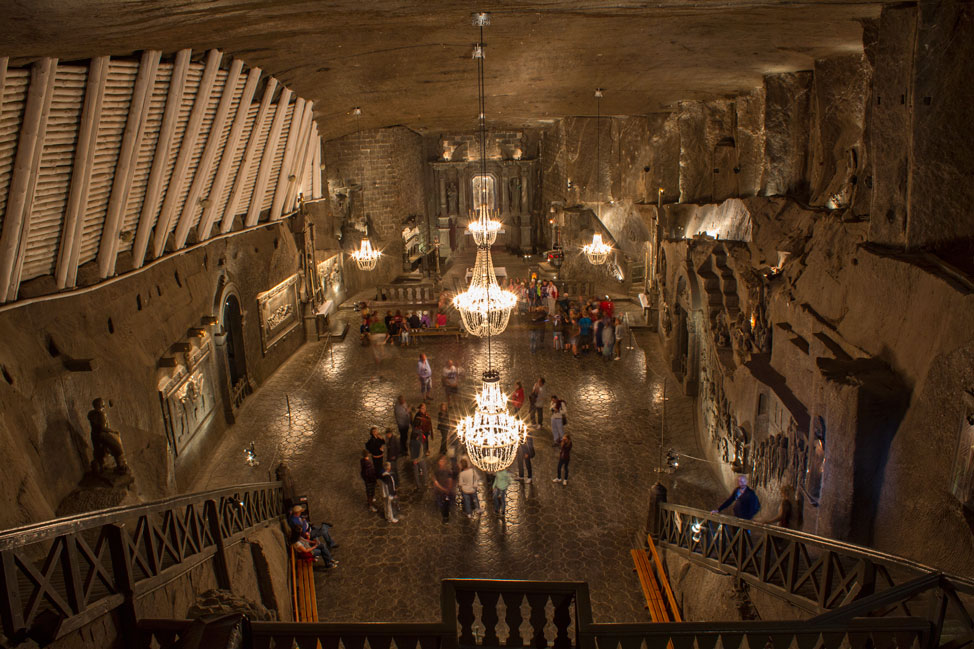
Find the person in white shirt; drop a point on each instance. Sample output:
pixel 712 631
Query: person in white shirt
pixel 469 480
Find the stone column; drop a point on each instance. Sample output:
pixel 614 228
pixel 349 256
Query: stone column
pixel 441 177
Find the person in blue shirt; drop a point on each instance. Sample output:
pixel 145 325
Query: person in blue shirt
pixel 745 502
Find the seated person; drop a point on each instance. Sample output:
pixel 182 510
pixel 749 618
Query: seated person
pixel 440 319
pixel 301 526
pixel 414 322
pixel 425 321
pixel 311 550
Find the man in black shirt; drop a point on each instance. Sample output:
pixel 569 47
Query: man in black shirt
pixel 374 446
pixel 744 500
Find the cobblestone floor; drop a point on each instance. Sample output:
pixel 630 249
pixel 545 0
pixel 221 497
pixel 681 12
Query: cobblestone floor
pixel 582 531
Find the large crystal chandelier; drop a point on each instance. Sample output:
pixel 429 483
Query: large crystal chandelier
pixel 485 308
pixel 598 251
pixel 491 434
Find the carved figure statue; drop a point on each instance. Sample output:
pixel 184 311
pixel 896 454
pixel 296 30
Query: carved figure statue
pixel 667 321
pixel 721 333
pixel 451 198
pixel 104 440
pixel 782 456
pixel 514 185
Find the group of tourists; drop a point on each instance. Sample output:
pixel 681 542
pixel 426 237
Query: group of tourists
pixel 395 328
pixel 576 326
pixel 415 441
pixel 311 543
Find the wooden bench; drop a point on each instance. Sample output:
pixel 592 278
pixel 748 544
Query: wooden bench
pixel 434 332
pixel 303 590
pixel 655 584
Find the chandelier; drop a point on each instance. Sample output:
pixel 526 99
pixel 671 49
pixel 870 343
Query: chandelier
pixel 598 251
pixel 491 434
pixel 366 257
pixel 485 228
pixel 485 308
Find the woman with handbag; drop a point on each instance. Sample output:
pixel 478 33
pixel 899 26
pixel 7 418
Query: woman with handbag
pixel 564 456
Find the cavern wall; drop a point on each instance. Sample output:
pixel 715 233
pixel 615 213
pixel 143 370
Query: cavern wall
pixel 376 183
pixel 176 348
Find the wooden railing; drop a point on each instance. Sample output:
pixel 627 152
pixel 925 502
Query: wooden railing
pixel 487 613
pixel 837 580
pixel 62 574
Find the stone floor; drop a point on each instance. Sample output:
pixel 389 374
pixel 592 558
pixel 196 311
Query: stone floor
pixel 582 531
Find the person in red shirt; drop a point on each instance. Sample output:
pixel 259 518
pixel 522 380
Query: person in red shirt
pixel 517 398
pixel 606 307
pixel 440 319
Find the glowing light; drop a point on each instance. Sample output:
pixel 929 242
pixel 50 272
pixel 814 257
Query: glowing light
pixel 597 251
pixel 366 256
pixel 485 308
pixel 485 228
pixel 491 435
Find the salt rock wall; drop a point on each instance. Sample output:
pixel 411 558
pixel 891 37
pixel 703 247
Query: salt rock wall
pixel 375 177
pixel 126 327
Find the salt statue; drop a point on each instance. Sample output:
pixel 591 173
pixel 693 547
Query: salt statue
pixel 104 440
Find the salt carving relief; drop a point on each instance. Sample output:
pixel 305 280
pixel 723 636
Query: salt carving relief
pixel 278 310
pixel 187 399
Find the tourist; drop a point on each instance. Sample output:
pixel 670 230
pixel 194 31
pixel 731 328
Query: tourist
pixel 538 320
pixel 785 509
pixel 524 455
pixel 552 300
pixel 557 335
pixel 469 481
pixel 584 333
pixel 443 425
pixel 425 322
pixel 392 329
pixel 606 307
pixel 301 526
pixel 597 337
pixel 745 502
pixel 516 400
pixel 390 499
pixel 558 419
pixel 440 319
pixel 417 459
pixel 310 550
pixel 608 338
pixel 404 418
pixel 564 457
pixel 403 323
pixel 425 374
pixel 502 480
pixel 414 320
pixel 423 425
pixel 444 485
pixel 620 334
pixel 375 445
pixel 367 471
pixel 576 334
pixel 377 338
pixel 393 452
pixel 539 401
pixel 451 381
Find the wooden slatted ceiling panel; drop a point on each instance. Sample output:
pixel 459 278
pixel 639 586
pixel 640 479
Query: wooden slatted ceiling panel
pixel 54 178
pixel 143 163
pixel 235 167
pixel 115 110
pixel 248 188
pixel 278 158
pixel 193 76
pixel 304 175
pixel 221 149
pixel 205 125
pixel 14 95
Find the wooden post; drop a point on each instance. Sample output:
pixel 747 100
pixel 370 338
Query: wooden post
pixel 210 212
pixel 248 157
pixel 181 170
pixel 220 567
pixel 125 168
pixel 160 159
pixel 316 164
pixel 84 162
pixel 118 548
pixel 23 182
pixel 11 606
pixel 209 154
pixel 267 159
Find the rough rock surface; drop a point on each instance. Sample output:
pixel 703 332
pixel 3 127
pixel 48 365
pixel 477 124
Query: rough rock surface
pixel 786 116
pixel 217 602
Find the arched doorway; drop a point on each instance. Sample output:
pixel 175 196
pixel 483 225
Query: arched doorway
pixel 232 321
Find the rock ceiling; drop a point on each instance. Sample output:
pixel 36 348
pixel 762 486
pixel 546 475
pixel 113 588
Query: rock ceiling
pixel 408 62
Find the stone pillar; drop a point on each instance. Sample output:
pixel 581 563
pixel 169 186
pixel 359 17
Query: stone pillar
pixel 441 176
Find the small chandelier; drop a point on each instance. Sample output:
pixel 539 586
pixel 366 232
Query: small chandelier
pixel 491 435
pixel 366 257
pixel 597 251
pixel 485 228
pixel 485 308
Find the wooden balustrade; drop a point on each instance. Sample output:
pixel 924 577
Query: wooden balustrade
pixel 405 294
pixel 64 573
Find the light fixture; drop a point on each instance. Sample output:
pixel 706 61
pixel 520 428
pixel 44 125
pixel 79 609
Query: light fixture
pixel 598 251
pixel 491 435
pixel 367 256
pixel 485 308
